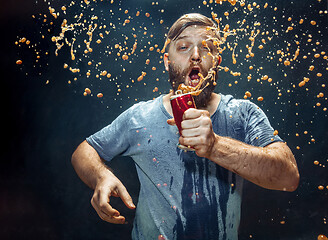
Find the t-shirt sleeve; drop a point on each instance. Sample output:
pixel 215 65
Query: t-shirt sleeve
pixel 112 140
pixel 258 130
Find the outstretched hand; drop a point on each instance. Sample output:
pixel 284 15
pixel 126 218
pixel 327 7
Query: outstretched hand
pixel 106 188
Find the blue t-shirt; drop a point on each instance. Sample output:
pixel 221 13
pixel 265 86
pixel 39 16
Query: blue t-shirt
pixel 182 196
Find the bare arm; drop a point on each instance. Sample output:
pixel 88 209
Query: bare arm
pixel 93 172
pixel 272 167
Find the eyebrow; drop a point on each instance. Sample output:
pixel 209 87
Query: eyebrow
pixel 181 37
pixel 184 37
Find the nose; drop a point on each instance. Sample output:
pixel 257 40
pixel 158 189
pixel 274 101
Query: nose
pixel 195 56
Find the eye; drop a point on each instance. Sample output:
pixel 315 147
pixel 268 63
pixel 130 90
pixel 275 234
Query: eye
pixel 211 49
pixel 182 46
pixel 208 48
pixel 205 48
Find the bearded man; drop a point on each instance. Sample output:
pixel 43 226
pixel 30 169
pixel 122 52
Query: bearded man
pixel 187 194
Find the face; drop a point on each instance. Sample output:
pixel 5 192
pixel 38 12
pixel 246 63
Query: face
pixel 187 56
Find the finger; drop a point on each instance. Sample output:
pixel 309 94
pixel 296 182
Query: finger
pixel 191 123
pixel 101 201
pixel 191 132
pixel 192 141
pixel 111 219
pixel 193 113
pixel 117 219
pixel 202 121
pixel 125 196
pixel 171 121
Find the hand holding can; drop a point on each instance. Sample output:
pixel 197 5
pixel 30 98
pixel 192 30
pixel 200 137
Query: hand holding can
pixel 180 103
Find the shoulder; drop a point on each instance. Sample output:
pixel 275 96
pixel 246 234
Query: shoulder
pixel 241 110
pixel 233 105
pixel 145 107
pixel 143 111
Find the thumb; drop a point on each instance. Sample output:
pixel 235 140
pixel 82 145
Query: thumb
pixel 126 198
pixel 171 121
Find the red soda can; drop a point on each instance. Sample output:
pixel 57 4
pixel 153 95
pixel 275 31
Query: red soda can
pixel 180 103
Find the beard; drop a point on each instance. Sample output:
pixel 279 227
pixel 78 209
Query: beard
pixel 178 76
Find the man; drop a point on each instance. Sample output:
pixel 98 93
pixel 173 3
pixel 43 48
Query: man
pixel 185 194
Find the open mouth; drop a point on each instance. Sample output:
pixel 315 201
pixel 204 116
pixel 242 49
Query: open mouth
pixel 193 77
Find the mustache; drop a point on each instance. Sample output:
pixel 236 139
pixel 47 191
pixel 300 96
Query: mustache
pixel 178 76
pixel 184 73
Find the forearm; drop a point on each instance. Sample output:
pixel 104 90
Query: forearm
pixel 88 165
pixel 93 172
pixel 271 167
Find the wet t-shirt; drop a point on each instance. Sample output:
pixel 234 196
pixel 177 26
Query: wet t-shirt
pixel 182 196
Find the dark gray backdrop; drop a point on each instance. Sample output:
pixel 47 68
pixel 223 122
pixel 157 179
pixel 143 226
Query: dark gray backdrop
pixel 41 196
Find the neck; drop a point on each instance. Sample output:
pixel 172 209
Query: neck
pixel 211 106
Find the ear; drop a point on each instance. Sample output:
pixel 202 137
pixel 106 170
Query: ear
pixel 166 61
